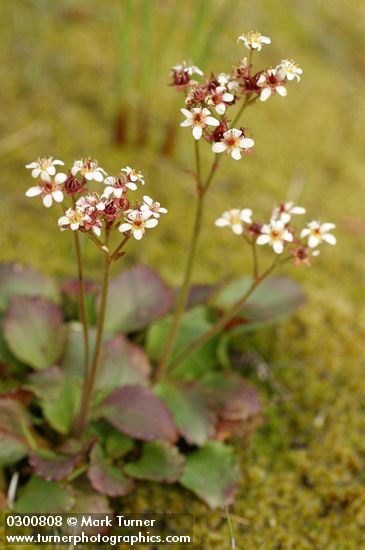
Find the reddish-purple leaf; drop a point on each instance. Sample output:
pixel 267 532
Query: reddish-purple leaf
pixel 136 298
pixel 33 330
pixel 237 404
pixel 235 399
pixel 89 502
pixel 18 280
pixel 106 478
pixel 122 363
pixel 13 420
pixel 136 411
pixel 52 466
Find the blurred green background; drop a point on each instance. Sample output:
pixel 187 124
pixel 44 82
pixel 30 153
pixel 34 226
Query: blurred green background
pixel 90 78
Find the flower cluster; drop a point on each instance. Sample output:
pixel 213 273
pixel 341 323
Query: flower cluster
pixel 279 232
pixel 209 100
pixel 93 210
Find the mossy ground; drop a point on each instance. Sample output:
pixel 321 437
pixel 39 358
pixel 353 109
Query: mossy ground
pixel 304 473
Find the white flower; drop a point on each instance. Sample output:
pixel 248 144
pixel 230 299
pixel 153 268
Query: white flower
pixel 154 209
pixel 235 219
pixel 72 219
pixel 219 98
pixel 285 211
pixel 44 167
pixel 133 177
pixel 272 81
pixel 49 190
pixel 198 118
pixel 89 169
pixel 233 142
pixel 188 68
pixel 91 203
pixel 318 233
pixel 254 40
pixel 137 222
pixel 291 69
pixel 275 234
pixel 118 186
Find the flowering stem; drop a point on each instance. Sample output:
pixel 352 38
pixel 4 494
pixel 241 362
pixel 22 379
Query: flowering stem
pixel 246 102
pixel 180 308
pixel 255 260
pixel 98 242
pixel 115 254
pixel 226 318
pixel 82 306
pixel 243 107
pixel 89 386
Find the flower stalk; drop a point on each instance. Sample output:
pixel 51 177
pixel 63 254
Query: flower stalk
pixel 90 380
pixel 184 293
pixel 82 306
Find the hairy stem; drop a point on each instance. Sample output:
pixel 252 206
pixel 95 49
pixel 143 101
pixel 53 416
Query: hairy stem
pixel 226 318
pixel 184 293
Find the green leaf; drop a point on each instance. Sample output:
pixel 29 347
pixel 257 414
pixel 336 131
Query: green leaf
pixel 193 324
pixel 13 443
pixel 115 443
pixel 189 404
pixel 90 502
pixel 73 357
pixel 136 298
pixel 16 279
pixel 106 478
pixel 33 330
pixel 160 462
pixel 275 298
pixel 59 397
pixel 40 496
pixel 212 473
pixel 137 412
pixel 121 362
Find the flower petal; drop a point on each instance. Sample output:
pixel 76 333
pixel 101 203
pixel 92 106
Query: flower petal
pixel 151 223
pixel 282 91
pixel 330 239
pixel 57 195
pixel 313 241
pixel 265 94
pixel 197 132
pixel 211 121
pixel 60 177
pixel 219 147
pixel 236 153
pixel 278 247
pixel 34 191
pixel 125 227
pixel 138 234
pixel 47 200
pixel 263 239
